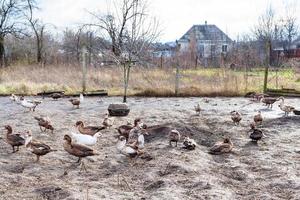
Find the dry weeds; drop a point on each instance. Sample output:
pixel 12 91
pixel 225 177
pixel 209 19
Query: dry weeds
pixel 143 81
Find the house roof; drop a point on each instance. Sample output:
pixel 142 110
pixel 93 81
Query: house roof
pixel 205 32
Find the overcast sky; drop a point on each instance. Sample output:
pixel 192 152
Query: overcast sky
pixel 234 17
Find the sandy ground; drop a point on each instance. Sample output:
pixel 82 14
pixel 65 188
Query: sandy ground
pixel 269 170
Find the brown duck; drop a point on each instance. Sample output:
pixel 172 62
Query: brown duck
pixel 56 96
pixel 125 129
pixel 269 101
pixel 258 118
pixel 236 117
pixel 42 122
pixel 77 150
pixel 88 130
pixel 15 140
pixel 75 102
pixel 36 147
pixel 225 146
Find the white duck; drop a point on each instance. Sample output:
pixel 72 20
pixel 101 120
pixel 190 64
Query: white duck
pixel 125 149
pixel 28 104
pixel 85 139
pixel 13 97
pixel 81 98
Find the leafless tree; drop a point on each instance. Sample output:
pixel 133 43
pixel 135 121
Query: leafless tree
pixel 290 27
pixel 265 32
pixel 38 28
pixel 10 14
pixel 130 30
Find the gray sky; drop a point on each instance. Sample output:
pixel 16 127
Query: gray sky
pixel 234 17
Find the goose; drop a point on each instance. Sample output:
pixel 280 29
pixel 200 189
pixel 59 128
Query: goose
pixel 15 140
pixel 36 147
pixel 107 122
pixel 189 143
pixel 258 118
pixel 225 146
pixel 27 104
pixel 42 122
pixel 88 130
pixel 236 117
pixel 77 150
pixel 124 130
pixel 268 101
pixel 174 136
pixel 85 139
pixel 256 134
pixel 198 109
pixel 287 109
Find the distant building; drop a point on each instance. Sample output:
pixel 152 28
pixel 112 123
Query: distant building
pixel 295 48
pixel 164 50
pixel 210 42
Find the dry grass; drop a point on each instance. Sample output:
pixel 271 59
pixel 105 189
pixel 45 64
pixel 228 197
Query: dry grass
pixel 143 81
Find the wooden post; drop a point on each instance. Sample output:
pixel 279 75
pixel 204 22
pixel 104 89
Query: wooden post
pixel 276 78
pixel 266 78
pixel 84 68
pixel 177 80
pixel 268 63
pixel 177 69
pixel 161 61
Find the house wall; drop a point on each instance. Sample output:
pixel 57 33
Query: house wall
pixel 205 48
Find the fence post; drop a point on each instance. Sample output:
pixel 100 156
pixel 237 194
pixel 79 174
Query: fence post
pixel 161 61
pixel 266 78
pixel 177 69
pixel 177 81
pixel 84 68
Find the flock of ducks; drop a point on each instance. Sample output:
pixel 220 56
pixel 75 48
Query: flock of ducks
pixel 131 138
pixel 256 134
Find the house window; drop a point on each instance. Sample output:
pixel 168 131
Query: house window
pixel 201 50
pixel 224 48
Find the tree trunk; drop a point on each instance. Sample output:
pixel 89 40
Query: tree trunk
pixel 2 52
pixel 126 80
pixel 38 51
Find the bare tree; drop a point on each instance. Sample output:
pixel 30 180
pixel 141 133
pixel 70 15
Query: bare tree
pixel 10 13
pixel 37 27
pixel 130 30
pixel 265 32
pixel 290 27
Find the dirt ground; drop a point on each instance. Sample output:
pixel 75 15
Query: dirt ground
pixel 269 170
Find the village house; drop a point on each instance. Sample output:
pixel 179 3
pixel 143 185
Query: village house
pixel 210 42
